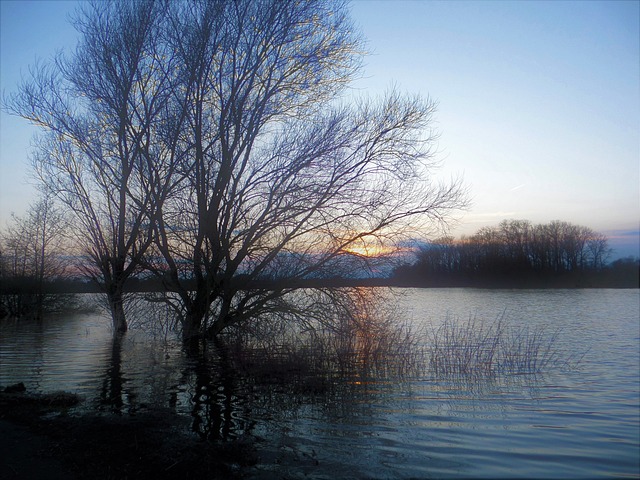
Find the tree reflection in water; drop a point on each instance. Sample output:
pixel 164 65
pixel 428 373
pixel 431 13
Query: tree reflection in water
pixel 112 383
pixel 269 368
pixel 215 397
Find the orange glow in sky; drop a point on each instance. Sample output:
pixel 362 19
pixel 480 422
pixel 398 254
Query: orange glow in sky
pixel 370 248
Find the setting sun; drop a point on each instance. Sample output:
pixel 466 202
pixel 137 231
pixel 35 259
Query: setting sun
pixel 373 248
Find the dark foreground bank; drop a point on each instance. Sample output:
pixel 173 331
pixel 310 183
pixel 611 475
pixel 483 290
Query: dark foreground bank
pixel 42 438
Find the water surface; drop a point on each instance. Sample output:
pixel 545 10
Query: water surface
pixel 582 422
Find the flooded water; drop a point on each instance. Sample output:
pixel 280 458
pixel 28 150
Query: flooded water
pixel 581 422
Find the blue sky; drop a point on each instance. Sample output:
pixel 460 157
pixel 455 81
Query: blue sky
pixel 539 102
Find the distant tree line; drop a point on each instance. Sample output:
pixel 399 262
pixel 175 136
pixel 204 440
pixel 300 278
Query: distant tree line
pixel 519 253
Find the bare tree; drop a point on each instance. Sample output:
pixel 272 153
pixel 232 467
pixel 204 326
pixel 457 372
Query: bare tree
pixel 31 250
pixel 597 250
pixel 98 107
pixel 283 180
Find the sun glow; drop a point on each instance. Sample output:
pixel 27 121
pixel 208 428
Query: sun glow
pixel 364 248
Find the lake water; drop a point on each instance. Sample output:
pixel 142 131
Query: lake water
pixel 581 422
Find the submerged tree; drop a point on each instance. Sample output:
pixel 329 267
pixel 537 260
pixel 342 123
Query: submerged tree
pixel 98 153
pixel 224 132
pixel 283 176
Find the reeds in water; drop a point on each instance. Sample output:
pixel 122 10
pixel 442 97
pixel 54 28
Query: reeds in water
pixel 384 348
pixel 473 348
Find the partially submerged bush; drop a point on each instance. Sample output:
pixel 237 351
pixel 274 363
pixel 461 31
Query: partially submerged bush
pixel 369 340
pixel 153 312
pixel 360 337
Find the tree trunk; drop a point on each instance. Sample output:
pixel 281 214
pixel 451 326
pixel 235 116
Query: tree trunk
pixel 216 328
pixel 116 306
pixel 197 311
pixel 191 326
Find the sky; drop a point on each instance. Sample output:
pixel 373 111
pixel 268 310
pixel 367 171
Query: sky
pixel 538 102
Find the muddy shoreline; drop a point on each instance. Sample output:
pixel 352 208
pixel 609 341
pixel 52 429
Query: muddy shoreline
pixel 42 436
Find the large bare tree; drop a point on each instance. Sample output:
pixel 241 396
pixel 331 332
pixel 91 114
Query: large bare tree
pixel 286 175
pixel 98 107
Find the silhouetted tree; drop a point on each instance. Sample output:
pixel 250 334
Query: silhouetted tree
pixel 515 236
pixel 597 250
pixel 625 272
pixel 281 177
pixel 514 250
pixel 99 154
